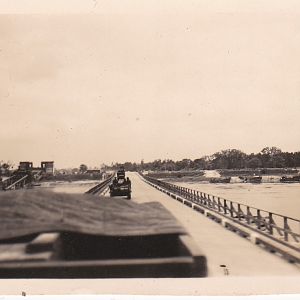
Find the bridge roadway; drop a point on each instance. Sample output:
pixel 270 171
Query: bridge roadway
pixel 221 246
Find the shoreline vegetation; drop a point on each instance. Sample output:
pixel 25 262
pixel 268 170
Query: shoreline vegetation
pixel 268 174
pixel 230 159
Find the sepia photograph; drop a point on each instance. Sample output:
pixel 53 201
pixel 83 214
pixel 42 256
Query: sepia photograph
pixel 150 147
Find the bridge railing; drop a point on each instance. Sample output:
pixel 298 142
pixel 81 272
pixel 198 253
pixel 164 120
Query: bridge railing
pixel 282 228
pixel 101 186
pixel 7 182
pixel 15 182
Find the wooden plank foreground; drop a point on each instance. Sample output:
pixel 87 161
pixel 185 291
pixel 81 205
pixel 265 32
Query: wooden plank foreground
pixel 52 235
pixel 37 211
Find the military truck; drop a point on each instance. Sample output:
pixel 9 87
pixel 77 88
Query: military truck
pixel 120 185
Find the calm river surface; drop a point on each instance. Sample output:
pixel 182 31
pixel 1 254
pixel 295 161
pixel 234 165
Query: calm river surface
pixel 281 198
pixel 73 187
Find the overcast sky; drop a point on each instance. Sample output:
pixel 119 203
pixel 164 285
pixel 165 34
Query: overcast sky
pixel 148 79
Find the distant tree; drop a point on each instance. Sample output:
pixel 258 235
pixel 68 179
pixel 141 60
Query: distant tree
pixel 156 165
pixel 277 161
pixel 271 151
pixel 142 164
pixel 254 163
pixel 83 168
pixel 183 164
pixel 202 163
pixel 268 157
pixel 128 166
pixel 5 167
pixel 168 165
pixel 219 161
pixel 272 157
pixel 208 161
pixel 229 159
pixel 296 156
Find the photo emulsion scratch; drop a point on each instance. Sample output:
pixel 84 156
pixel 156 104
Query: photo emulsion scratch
pixel 151 141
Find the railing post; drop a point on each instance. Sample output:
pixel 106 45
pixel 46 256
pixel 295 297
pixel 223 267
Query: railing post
pixel 248 215
pixel 225 206
pixel 258 219
pixel 271 222
pixel 231 209
pixel 239 211
pixel 285 227
pixel 219 204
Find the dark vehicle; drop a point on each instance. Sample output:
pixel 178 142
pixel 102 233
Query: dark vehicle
pixel 120 186
pixel 290 179
pixel 121 174
pixel 220 180
pixel 254 179
pixel 251 179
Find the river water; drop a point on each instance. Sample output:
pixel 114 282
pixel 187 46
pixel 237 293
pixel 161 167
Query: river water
pixel 281 198
pixel 73 187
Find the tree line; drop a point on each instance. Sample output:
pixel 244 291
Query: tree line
pixel 268 157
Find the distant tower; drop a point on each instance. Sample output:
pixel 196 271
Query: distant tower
pixel 25 165
pixel 48 167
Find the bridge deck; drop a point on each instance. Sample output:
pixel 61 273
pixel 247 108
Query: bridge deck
pixel 221 246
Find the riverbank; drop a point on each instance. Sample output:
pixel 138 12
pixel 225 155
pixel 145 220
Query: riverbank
pixel 268 175
pixel 266 171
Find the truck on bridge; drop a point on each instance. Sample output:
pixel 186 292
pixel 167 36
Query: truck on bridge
pixel 121 186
